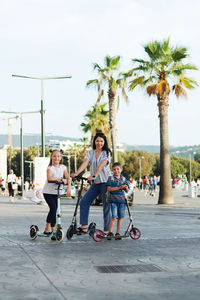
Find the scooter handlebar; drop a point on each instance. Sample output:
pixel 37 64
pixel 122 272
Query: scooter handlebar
pixel 80 178
pixel 55 181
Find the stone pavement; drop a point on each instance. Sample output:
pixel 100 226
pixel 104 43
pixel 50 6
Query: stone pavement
pixel 163 264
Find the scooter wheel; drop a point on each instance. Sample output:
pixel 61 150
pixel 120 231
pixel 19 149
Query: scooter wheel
pixel 33 232
pixel 70 232
pixel 59 235
pixel 135 233
pixel 98 235
pixel 91 228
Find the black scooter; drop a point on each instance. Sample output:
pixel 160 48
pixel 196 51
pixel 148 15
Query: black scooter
pixel 57 233
pixel 73 227
pixel 131 231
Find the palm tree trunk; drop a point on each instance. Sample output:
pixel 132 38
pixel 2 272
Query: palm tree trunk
pixel 111 95
pixel 165 193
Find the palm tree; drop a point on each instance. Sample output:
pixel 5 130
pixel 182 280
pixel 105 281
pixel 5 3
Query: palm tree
pixel 110 77
pixel 163 73
pixel 96 119
pixel 11 153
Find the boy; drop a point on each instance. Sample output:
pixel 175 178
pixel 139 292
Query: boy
pixel 116 185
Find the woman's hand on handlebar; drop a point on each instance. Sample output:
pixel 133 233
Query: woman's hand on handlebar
pixel 73 175
pixel 91 178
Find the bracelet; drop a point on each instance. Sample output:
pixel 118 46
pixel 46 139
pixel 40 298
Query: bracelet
pixel 93 176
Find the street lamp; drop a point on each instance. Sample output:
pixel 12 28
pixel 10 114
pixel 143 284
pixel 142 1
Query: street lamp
pixel 19 115
pixel 42 111
pixel 140 166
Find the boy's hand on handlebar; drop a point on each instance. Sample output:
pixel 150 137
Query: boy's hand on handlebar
pixel 124 187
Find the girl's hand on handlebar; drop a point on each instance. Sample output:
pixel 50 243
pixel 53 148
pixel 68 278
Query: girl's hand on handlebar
pixel 64 181
pixel 68 192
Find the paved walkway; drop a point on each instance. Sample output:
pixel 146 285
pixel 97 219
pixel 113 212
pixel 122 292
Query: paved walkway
pixel 163 264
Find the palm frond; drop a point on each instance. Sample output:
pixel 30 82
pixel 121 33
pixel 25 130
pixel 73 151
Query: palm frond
pixel 114 64
pixel 96 66
pixel 151 89
pixel 141 61
pixel 162 88
pixel 107 60
pixel 127 74
pixel 135 82
pixel 178 69
pixel 92 82
pixel 179 90
pixel 179 54
pixel 188 82
pixel 124 94
pixel 100 95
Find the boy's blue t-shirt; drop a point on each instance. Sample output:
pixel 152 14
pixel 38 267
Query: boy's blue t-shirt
pixel 117 196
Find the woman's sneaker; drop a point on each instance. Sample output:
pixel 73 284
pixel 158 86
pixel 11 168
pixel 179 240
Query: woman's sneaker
pixel 117 236
pixel 108 235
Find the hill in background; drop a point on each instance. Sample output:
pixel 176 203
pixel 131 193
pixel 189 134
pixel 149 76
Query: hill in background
pixel 30 140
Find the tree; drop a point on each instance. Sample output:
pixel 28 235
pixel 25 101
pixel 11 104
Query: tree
pixel 96 118
pixel 165 63
pixel 11 153
pixel 110 77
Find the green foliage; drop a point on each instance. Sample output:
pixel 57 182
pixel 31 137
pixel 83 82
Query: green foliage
pixel 197 157
pixel 96 118
pixel 178 166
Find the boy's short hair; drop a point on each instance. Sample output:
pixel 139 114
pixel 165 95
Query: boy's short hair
pixel 117 164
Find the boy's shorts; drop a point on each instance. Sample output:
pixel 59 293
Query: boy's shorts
pixel 118 210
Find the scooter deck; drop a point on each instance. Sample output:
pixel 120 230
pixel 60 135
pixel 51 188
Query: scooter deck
pixel 114 237
pixel 41 234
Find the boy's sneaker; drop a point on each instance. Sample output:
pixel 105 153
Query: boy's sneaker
pixel 109 234
pixel 117 236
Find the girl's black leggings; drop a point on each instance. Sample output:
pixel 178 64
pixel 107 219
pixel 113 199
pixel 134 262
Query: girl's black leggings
pixel 52 201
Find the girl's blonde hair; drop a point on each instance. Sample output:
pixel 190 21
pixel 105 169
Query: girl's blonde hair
pixel 52 152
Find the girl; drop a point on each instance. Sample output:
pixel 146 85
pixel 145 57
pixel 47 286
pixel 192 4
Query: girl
pixel 56 171
pixel 99 160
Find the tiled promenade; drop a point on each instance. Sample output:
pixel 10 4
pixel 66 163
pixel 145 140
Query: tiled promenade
pixel 164 264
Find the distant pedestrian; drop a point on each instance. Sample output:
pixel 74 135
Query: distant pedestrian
pixel 12 186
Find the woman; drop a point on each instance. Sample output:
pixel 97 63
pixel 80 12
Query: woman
pixel 99 160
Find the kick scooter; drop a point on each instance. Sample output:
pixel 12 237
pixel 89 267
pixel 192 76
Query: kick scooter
pixel 57 233
pixel 131 231
pixel 73 227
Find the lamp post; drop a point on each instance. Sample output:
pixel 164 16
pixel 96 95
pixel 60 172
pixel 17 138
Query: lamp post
pixel 19 115
pixel 42 111
pixel 140 167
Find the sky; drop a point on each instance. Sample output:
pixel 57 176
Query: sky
pixel 62 37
